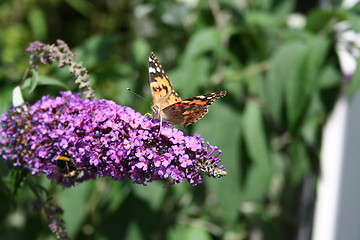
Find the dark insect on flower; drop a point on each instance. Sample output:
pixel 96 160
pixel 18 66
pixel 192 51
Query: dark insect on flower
pixel 67 166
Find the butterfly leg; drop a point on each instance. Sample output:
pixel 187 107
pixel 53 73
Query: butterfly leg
pixel 160 125
pixel 157 115
pixel 148 115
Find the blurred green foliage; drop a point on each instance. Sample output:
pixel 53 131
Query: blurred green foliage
pixel 282 76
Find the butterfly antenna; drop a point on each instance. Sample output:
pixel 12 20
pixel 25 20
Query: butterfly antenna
pixel 135 94
pixel 129 89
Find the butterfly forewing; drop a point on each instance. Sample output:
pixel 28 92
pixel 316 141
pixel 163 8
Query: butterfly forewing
pixel 167 104
pixel 162 91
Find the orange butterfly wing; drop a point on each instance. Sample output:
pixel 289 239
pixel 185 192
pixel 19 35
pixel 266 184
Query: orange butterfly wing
pixel 162 92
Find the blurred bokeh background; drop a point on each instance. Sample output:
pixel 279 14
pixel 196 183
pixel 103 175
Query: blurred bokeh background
pixel 276 59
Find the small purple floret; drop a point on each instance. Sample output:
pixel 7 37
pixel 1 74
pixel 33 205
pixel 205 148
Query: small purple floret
pixel 104 139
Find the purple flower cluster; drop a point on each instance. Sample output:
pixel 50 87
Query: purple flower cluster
pixel 60 52
pixel 46 54
pixel 103 139
pixel 55 214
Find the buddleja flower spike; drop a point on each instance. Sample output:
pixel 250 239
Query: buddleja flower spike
pixel 102 139
pixel 71 139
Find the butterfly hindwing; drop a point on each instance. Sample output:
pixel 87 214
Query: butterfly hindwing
pixel 190 110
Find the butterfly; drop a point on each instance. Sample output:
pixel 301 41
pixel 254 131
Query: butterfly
pixel 168 105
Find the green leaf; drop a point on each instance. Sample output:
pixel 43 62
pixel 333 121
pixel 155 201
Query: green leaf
pixel 134 231
pixel 43 80
pixel 294 74
pixel 33 80
pixel 17 177
pixel 192 230
pixel 257 148
pixel 262 19
pixel 38 23
pixel 329 77
pixel 284 9
pixel 299 165
pixel 232 83
pixel 282 70
pixel 7 199
pixel 82 6
pixel 5 96
pixel 354 20
pixel 319 19
pixel 192 72
pixel 316 110
pixel 204 40
pixel 74 202
pixel 256 184
pixel 141 50
pixel 305 82
pixel 221 128
pixel 97 49
pixel 113 195
pixel 153 191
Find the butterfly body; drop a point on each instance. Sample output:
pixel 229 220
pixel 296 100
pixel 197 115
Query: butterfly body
pixel 168 105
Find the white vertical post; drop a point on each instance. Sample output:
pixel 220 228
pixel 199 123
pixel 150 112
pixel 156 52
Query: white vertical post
pixel 337 211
